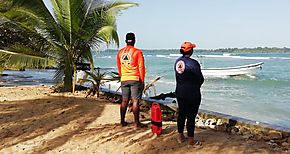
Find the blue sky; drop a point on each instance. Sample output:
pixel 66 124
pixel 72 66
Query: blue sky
pixel 211 24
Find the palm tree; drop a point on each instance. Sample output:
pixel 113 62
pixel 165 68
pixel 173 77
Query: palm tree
pixel 69 34
pixel 98 78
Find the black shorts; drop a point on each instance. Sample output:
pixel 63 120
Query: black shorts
pixel 132 89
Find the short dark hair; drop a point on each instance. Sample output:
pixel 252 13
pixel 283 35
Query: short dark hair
pixel 186 53
pixel 130 38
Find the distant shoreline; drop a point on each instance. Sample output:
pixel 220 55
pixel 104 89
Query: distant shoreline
pixel 228 50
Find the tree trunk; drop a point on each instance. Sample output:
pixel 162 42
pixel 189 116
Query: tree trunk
pixel 68 71
pixel 67 82
pixel 74 78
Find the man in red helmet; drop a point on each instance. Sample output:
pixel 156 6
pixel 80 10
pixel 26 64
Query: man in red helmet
pixel 130 63
pixel 188 82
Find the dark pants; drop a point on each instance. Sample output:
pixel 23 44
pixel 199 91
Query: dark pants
pixel 132 89
pixel 187 109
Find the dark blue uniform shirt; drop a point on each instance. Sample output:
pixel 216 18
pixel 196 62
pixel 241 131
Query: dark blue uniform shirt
pixel 188 78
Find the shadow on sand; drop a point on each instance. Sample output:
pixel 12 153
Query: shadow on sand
pixel 22 121
pixel 46 124
pixel 212 142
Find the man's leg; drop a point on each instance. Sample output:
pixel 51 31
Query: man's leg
pixel 136 94
pixel 136 112
pixel 181 120
pixel 125 101
pixel 191 114
pixel 123 109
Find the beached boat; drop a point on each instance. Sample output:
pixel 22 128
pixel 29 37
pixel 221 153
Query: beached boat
pixel 232 71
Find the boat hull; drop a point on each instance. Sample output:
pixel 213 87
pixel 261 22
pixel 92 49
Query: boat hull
pixel 250 69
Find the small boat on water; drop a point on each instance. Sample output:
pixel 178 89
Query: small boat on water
pixel 249 69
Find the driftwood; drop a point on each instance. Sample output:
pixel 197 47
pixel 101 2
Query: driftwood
pixel 151 84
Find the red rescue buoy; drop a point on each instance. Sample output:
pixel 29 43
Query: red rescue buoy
pixel 156 118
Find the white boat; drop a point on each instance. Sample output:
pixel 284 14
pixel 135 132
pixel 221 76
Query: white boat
pixel 232 71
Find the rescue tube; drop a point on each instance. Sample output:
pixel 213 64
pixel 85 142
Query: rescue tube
pixel 156 118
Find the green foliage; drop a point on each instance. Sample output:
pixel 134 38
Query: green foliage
pixel 19 60
pixel 66 36
pixel 223 50
pixel 115 76
pixel 98 78
pixel 249 50
pixel 3 58
pixel 5 5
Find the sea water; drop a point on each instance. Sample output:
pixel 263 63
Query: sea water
pixel 264 97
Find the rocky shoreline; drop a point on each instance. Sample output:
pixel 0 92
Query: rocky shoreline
pixel 277 137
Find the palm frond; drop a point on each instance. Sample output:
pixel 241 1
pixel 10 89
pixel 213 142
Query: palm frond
pixel 96 77
pixel 105 14
pixel 3 61
pixel 44 30
pixel 88 80
pixel 114 76
pixel 108 34
pixel 59 74
pixel 116 7
pixel 14 59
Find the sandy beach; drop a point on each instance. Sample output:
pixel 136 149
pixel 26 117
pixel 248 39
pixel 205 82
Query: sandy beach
pixel 35 120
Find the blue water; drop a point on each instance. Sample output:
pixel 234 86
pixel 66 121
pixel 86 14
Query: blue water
pixel 264 97
pixel 28 77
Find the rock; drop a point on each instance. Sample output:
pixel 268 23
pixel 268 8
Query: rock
pixel 197 118
pixel 234 130
pixel 266 138
pixel 222 128
pixel 210 123
pixel 274 135
pixel 258 137
pixel 280 141
pixel 272 144
pixel 200 123
pixel 219 122
pixel 244 131
pixel 247 136
pixel 232 122
pixel 258 132
pixel 286 145
pixel 212 126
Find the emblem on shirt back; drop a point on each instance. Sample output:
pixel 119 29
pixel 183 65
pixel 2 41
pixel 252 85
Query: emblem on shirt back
pixel 126 58
pixel 180 67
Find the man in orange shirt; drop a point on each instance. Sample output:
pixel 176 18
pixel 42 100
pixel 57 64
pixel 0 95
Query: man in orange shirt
pixel 130 63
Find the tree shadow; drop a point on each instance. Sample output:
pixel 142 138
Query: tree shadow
pixel 213 142
pixel 27 120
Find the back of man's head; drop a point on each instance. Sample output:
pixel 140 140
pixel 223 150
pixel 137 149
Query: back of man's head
pixel 130 38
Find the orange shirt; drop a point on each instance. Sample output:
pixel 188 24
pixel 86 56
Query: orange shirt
pixel 130 63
